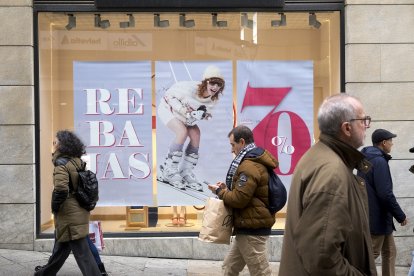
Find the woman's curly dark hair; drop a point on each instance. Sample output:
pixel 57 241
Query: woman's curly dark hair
pixel 70 144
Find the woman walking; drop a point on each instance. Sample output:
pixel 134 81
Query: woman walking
pixel 71 220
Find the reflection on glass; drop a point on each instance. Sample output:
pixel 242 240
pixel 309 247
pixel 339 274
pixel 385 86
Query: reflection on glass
pixel 132 37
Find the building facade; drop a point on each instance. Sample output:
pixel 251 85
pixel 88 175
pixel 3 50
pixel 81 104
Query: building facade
pixel 378 68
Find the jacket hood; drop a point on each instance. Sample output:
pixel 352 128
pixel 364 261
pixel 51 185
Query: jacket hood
pixel 263 157
pixel 372 152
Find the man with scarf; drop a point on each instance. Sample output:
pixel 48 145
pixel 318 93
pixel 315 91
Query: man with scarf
pixel 246 192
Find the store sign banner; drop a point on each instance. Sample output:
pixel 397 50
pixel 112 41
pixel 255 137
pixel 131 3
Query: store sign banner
pixel 221 48
pixel 79 40
pixel 98 41
pixel 275 99
pixel 177 84
pixel 141 42
pixel 112 115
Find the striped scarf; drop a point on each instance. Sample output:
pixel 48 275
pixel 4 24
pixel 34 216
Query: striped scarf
pixel 236 162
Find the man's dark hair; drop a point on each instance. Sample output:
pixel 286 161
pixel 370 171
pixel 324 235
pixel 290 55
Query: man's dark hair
pixel 242 132
pixel 69 144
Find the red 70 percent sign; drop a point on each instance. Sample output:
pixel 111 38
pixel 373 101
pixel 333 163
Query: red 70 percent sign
pixel 266 132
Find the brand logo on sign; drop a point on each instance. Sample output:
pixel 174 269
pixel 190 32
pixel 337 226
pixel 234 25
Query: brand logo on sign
pixel 130 42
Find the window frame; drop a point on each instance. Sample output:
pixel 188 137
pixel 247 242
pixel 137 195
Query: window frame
pixel 193 6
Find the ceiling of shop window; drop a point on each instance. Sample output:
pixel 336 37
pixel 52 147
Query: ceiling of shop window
pixel 203 21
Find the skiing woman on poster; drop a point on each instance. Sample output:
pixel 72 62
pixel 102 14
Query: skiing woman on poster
pixel 183 105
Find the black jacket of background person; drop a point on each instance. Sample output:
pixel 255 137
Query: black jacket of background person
pixel 382 203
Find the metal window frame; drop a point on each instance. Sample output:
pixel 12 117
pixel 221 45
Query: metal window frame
pixel 160 6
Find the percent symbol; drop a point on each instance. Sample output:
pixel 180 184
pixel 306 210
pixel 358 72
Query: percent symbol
pixel 280 142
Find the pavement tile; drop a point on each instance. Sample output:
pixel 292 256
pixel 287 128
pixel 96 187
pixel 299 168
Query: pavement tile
pixel 167 263
pixel 165 271
pixel 22 263
pixel 5 261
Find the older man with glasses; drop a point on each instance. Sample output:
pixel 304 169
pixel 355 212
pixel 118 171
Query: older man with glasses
pixel 383 206
pixel 327 228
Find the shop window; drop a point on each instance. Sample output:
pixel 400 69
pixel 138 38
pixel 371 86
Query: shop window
pixel 105 76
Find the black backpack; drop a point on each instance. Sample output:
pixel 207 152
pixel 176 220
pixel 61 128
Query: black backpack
pixel 277 193
pixel 87 192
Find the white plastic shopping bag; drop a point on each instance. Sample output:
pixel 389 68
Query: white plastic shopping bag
pixel 96 235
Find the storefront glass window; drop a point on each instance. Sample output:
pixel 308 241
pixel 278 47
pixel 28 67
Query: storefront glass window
pixel 106 75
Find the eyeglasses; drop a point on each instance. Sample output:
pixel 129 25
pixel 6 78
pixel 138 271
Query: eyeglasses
pixel 366 119
pixel 212 83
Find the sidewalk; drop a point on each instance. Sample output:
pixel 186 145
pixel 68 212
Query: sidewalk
pixel 22 263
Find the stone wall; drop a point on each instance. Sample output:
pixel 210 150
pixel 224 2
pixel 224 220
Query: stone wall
pixel 17 169
pixel 379 55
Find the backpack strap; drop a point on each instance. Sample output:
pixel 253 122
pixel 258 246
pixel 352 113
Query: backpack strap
pixel 79 169
pixel 71 183
pixel 63 161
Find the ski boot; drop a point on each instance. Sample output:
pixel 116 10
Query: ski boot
pixel 186 172
pixel 169 170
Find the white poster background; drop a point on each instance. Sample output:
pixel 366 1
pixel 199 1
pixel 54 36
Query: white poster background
pixel 298 75
pixel 119 150
pixel 215 152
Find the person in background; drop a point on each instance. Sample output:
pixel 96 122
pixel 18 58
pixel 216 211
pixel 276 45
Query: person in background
pixel 94 251
pixel 327 227
pixel 383 206
pixel 95 254
pixel 71 220
pixel 411 272
pixel 246 192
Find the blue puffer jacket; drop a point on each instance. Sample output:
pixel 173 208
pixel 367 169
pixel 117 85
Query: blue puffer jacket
pixel 382 203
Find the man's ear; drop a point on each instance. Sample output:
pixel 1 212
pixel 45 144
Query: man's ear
pixel 346 128
pixel 242 141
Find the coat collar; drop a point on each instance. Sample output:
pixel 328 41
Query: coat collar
pixel 57 157
pixel 351 156
pixel 384 154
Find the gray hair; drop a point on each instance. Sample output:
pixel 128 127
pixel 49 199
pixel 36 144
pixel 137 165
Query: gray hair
pixel 334 111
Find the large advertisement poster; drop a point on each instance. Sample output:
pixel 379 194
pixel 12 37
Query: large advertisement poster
pixel 275 100
pixel 194 102
pixel 112 113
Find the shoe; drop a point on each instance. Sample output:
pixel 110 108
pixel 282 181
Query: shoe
pixel 186 171
pixel 169 170
pixel 182 221
pixel 174 220
pixel 194 185
pixel 190 181
pixel 102 269
pixel 39 267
